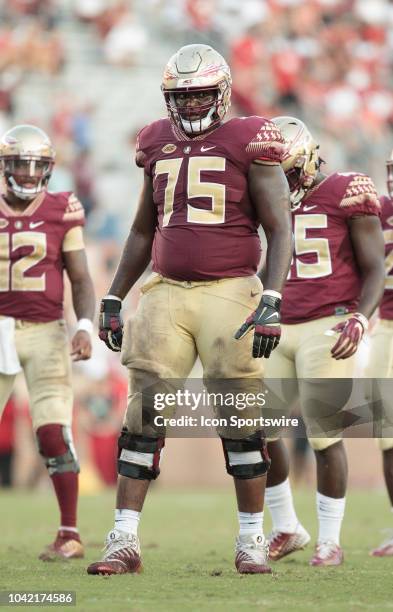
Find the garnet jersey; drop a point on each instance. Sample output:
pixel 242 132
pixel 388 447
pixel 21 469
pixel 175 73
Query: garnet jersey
pixel 386 305
pixel 207 225
pixel 31 256
pixel 324 278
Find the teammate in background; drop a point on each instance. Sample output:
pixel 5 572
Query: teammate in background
pixel 207 187
pixel 40 236
pixel 380 363
pixel 335 283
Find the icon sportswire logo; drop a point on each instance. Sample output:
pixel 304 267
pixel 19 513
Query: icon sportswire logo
pixel 34 224
pixel 203 149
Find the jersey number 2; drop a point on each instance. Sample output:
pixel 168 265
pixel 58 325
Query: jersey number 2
pixel 17 281
pixel 195 188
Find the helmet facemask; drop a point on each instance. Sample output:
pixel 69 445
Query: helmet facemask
pixel 197 69
pixel 27 158
pixel 26 176
pixel 196 119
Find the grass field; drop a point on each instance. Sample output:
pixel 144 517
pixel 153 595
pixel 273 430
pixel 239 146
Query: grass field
pixel 187 543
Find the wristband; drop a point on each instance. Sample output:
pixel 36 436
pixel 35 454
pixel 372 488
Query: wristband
pixel 362 320
pixel 85 325
pixel 112 297
pixel 273 293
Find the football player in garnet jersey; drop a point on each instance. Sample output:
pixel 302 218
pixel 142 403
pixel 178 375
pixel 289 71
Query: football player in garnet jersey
pixel 335 283
pixel 380 362
pixel 208 184
pixel 40 236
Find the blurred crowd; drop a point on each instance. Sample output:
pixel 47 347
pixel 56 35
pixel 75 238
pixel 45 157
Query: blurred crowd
pixel 329 62
pixel 326 61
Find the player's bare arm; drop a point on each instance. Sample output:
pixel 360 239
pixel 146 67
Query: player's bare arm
pixel 137 250
pixel 83 300
pixel 269 193
pixel 134 261
pixel 368 244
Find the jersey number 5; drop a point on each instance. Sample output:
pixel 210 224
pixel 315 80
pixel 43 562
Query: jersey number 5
pixel 318 246
pixel 195 188
pixel 17 281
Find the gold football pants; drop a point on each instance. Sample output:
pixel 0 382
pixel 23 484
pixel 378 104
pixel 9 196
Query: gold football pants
pixel 304 353
pixel 176 322
pixel 380 365
pixel 43 352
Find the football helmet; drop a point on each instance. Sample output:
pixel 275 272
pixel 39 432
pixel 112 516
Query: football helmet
pixel 197 69
pixel 301 159
pixel 27 158
pixel 389 169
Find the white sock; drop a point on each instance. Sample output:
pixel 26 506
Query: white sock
pixel 250 523
pixel 330 515
pixel 64 528
pixel 127 520
pixel 280 503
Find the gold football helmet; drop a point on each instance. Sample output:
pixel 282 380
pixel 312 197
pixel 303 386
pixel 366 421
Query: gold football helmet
pixel 27 158
pixel 197 69
pixel 389 169
pixel 301 160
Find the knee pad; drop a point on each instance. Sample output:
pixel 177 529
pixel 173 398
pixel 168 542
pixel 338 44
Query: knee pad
pixel 139 456
pixel 246 458
pixel 56 446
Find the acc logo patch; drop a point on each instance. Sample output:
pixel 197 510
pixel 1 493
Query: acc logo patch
pixel 168 148
pixel 389 221
pixel 3 223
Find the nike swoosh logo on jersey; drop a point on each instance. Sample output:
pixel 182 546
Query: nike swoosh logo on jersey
pixel 254 293
pixel 34 224
pixel 307 208
pixel 203 149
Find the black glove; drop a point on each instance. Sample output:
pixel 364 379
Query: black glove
pixel 110 323
pixel 266 323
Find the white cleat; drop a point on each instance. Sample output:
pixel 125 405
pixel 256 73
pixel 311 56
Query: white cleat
pixel 384 550
pixel 122 555
pixel 252 554
pixel 283 544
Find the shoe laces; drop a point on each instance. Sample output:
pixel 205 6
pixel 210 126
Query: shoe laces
pixel 126 543
pixel 257 552
pixel 325 549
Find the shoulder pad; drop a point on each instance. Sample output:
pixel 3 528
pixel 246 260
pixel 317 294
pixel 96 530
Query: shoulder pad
pixel 73 208
pixel 266 143
pixel 359 189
